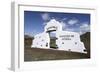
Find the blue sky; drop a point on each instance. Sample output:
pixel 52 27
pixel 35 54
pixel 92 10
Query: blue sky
pixel 34 22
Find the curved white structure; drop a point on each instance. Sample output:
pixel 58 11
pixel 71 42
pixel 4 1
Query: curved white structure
pixel 69 41
pixel 41 40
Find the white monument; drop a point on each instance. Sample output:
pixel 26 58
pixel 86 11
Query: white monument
pixel 65 40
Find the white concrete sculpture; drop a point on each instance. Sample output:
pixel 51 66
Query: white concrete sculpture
pixel 69 41
pixel 41 40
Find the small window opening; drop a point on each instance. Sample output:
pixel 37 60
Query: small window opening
pixel 75 42
pixel 46 44
pixel 62 42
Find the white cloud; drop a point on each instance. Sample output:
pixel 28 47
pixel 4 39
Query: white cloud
pixel 64 19
pixel 63 24
pixel 45 16
pixel 44 23
pixel 70 29
pixel 72 21
pixel 29 33
pixel 85 27
pixel 81 32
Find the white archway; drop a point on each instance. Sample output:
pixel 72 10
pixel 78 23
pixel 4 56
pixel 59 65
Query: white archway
pixel 53 25
pixel 66 40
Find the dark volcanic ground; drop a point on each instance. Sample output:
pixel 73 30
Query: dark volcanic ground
pixel 37 54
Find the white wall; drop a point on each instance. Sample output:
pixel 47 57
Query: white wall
pixel 41 40
pixel 5 48
pixel 64 44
